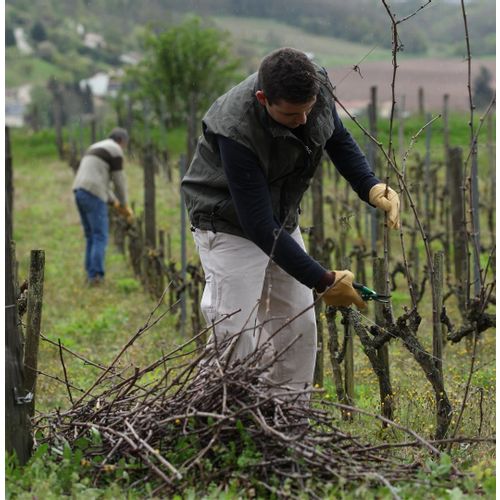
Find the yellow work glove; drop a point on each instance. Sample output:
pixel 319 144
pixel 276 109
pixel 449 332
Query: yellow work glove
pixel 342 293
pixel 125 211
pixel 388 203
pixel 128 214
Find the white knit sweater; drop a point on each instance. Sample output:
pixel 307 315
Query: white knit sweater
pixel 101 165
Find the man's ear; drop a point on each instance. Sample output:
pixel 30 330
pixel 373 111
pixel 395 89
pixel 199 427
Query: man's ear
pixel 261 97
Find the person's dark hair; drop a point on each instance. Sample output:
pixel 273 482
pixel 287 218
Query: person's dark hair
pixel 287 74
pixel 118 134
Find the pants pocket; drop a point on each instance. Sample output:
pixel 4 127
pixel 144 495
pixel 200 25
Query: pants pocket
pixel 208 303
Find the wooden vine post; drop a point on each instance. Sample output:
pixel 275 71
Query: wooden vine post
pixel 445 212
pixel 182 171
pixel 149 198
pixel 421 102
pixel 476 227
pixel 153 275
pixel 9 183
pixel 33 323
pixel 427 181
pixel 375 216
pixel 438 332
pixel 135 243
pixel 18 438
pixel 446 129
pixel 349 361
pixel 492 184
pixel 316 244
pixel 456 187
pixel 380 284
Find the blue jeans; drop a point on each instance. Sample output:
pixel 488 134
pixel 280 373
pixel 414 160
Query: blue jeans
pixel 94 217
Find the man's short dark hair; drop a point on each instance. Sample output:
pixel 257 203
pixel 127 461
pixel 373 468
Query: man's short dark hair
pixel 119 134
pixel 287 74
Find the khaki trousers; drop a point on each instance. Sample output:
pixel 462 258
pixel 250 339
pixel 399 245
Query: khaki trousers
pixel 240 276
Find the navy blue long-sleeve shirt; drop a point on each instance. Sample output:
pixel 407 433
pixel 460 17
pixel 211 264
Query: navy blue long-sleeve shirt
pixel 250 193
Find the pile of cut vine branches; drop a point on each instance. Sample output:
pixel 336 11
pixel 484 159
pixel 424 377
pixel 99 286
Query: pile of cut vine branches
pixel 191 419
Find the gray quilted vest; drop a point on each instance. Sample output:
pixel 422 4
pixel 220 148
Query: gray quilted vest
pixel 288 162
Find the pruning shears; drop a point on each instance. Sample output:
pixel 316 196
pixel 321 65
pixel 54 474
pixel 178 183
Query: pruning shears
pixel 369 294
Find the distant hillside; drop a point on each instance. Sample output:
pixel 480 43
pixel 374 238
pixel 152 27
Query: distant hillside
pixel 437 29
pixel 264 35
pixel 73 40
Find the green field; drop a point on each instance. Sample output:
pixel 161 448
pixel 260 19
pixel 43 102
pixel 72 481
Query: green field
pixel 97 322
pixel 262 36
pixel 21 69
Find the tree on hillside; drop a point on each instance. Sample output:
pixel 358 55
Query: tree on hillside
pixel 10 39
pixel 38 32
pixel 184 68
pixel 87 100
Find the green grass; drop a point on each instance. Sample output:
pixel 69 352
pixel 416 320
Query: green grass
pixel 29 147
pixel 415 138
pixel 97 322
pixel 22 69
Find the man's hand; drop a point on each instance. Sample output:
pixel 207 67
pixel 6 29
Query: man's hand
pixel 389 203
pixel 125 211
pixel 128 214
pixel 341 293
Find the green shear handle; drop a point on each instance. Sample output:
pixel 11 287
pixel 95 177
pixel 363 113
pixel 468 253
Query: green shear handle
pixel 369 294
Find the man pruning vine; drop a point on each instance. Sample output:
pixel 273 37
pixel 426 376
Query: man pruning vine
pixel 262 142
